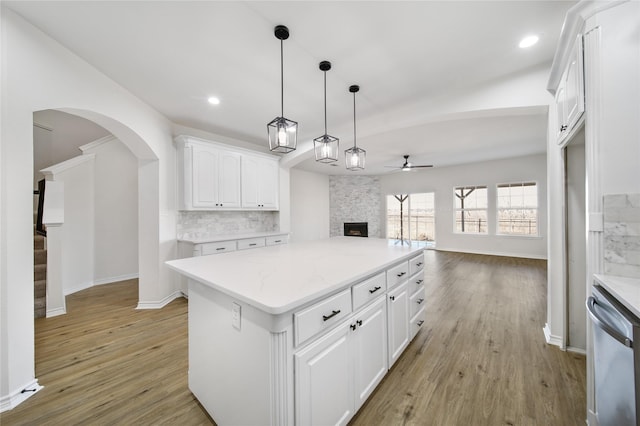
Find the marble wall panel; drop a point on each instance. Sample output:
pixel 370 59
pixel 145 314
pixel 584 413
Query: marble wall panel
pixel 622 235
pixel 355 199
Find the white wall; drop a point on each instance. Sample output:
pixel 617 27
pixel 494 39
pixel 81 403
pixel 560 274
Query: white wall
pixel 37 74
pixel 77 232
pixel 489 173
pixel 116 211
pixel 309 206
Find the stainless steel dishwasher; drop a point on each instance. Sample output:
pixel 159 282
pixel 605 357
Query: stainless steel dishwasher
pixel 616 351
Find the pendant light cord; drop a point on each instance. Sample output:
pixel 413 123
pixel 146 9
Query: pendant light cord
pixel 325 102
pixel 354 119
pixel 281 79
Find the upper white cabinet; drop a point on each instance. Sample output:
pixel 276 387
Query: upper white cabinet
pixel 259 183
pixel 217 177
pixel 570 93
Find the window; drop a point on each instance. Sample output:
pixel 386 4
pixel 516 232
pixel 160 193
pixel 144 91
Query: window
pixel 470 209
pixel 411 217
pixel 518 209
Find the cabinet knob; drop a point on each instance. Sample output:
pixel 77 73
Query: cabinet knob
pixel 420 323
pixel 392 298
pixel 420 301
pixel 419 264
pixel 376 288
pixel 353 327
pixel 419 282
pixel 359 322
pixel 331 315
pixel 563 128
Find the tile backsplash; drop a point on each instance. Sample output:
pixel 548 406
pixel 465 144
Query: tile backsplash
pixel 191 225
pixel 622 235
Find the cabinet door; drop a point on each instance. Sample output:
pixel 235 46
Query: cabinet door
pixel 370 350
pixel 204 177
pixel 268 184
pixel 249 182
pixel 574 87
pixel 229 180
pixel 398 327
pixel 323 380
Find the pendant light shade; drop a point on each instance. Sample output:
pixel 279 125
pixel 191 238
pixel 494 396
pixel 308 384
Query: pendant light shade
pixel 354 157
pixel 283 133
pixel 326 146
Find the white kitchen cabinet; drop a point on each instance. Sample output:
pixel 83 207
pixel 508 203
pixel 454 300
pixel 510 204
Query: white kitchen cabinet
pixel 324 380
pixel 209 176
pixel 336 374
pixel 398 321
pixel 260 187
pixel 570 93
pixel 369 350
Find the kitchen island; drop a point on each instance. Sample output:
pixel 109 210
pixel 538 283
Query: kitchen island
pixel 299 333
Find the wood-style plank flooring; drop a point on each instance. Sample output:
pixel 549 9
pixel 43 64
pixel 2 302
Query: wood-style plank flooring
pixel 480 359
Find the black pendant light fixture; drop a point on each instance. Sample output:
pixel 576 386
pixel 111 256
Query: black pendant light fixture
pixel 326 146
pixel 283 133
pixel 354 157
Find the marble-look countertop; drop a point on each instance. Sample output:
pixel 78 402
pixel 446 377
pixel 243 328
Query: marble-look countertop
pixel 626 290
pixel 230 237
pixel 281 278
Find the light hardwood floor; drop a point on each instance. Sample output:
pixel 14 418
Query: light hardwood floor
pixel 481 358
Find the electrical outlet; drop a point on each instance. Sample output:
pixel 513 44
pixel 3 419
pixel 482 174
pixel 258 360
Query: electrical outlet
pixel 236 314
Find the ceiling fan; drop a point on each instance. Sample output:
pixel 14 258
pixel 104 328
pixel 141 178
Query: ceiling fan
pixel 408 166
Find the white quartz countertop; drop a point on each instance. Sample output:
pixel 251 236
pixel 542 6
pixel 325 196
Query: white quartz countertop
pixel 626 290
pixel 281 278
pixel 230 237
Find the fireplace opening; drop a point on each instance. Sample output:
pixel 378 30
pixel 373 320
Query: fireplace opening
pixel 356 229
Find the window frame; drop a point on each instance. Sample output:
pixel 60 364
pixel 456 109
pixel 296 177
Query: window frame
pixel 522 208
pixel 463 209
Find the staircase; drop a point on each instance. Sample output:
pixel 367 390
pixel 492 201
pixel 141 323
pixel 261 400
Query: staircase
pixel 39 276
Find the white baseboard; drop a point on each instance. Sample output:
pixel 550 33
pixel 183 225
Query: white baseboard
pixel 551 339
pixel 11 401
pixel 78 288
pixel 55 312
pixel 577 350
pixel 112 280
pixel 160 304
pixel 494 253
pixel 592 419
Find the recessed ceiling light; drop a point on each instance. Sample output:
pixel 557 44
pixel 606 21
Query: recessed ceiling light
pixel 528 41
pixel 213 100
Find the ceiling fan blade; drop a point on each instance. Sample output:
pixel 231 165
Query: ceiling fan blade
pixel 416 167
pixel 394 167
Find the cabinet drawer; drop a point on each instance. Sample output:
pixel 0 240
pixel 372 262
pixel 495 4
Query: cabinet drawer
pixel 397 274
pixel 321 316
pixel 416 302
pixel 416 282
pixel 215 248
pixel 250 243
pixel 277 239
pixel 368 290
pixel 416 264
pixel 417 322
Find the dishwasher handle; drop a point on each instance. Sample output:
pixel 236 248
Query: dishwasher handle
pixel 600 322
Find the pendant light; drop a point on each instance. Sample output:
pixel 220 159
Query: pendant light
pixel 354 157
pixel 326 146
pixel 283 133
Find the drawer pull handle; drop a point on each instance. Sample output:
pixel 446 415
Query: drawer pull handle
pixel 420 323
pixel 277 241
pixel 401 274
pixel 220 248
pixel 333 314
pixel 420 301
pixel 392 297
pixel 419 264
pixel 419 282
pixel 253 244
pixel 376 288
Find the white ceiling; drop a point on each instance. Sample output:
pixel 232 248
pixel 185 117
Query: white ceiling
pixel 404 56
